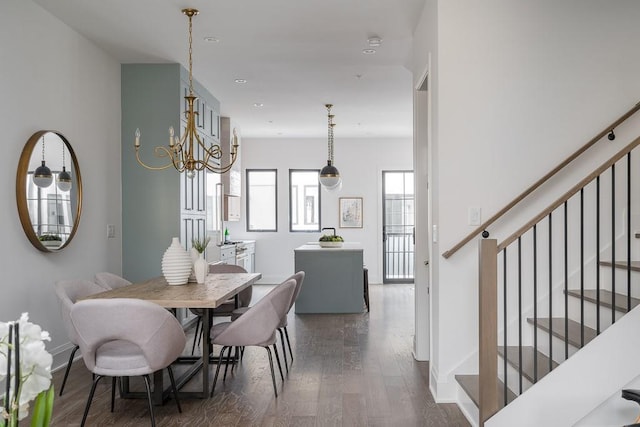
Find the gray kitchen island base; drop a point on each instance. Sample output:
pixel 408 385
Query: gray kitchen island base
pixel 333 280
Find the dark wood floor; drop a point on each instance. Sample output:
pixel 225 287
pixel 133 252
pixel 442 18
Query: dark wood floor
pixel 349 370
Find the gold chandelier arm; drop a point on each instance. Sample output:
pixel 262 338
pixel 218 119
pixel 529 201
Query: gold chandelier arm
pixel 158 152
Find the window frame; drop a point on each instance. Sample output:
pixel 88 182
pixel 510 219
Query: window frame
pixel 291 230
pixel 248 204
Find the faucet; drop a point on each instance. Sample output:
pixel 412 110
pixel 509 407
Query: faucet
pixel 329 228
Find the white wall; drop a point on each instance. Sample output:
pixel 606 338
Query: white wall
pixel 360 162
pixel 517 87
pixel 51 78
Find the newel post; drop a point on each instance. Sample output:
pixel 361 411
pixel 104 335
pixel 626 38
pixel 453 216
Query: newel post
pixel 488 324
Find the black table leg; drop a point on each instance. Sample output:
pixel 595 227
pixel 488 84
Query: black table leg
pixel 206 348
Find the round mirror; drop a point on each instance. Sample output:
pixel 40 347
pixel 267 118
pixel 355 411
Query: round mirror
pixel 49 191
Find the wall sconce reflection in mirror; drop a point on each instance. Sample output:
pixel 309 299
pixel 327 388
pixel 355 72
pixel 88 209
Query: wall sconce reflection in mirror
pixel 49 214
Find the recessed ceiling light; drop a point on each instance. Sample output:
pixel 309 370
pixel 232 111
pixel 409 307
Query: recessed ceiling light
pixel 368 51
pixel 240 80
pixel 211 39
pixel 374 41
pixel 258 104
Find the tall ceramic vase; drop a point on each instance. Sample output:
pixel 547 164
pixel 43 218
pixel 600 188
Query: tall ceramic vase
pixel 176 264
pixel 200 268
pixel 193 253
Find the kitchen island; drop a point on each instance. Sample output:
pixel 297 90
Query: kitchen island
pixel 333 280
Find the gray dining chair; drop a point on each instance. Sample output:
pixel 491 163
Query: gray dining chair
pixel 299 278
pixel 68 292
pixel 226 308
pixel 125 337
pixel 256 327
pixel 110 281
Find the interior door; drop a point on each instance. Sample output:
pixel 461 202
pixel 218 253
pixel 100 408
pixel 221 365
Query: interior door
pixel 398 207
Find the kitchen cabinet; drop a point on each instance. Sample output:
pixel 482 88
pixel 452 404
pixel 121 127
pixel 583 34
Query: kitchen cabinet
pixel 232 180
pixel 232 208
pixel 159 205
pixel 246 255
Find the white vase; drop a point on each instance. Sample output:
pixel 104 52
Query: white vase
pixel 193 253
pixel 200 268
pixel 176 264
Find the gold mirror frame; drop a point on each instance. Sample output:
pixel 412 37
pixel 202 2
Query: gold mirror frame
pixel 21 193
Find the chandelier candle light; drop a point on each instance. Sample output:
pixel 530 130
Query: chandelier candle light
pixel 329 175
pixel 181 151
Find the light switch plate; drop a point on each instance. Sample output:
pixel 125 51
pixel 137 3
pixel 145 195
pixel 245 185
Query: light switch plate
pixel 111 231
pixel 474 215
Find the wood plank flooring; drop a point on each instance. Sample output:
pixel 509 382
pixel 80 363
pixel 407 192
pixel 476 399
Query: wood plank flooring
pixel 349 370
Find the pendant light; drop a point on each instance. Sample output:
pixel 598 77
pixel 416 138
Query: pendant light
pixel 42 176
pixel 64 177
pixel 329 175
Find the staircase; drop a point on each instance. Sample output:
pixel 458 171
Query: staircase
pixel 548 296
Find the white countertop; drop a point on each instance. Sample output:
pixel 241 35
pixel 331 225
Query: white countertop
pixel 315 246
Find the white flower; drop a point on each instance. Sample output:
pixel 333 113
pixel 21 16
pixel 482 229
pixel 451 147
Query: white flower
pixel 35 362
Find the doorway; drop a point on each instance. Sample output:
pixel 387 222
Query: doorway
pixel 398 221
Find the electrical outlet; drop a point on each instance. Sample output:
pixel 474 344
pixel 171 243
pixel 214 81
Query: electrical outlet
pixel 474 216
pixel 111 231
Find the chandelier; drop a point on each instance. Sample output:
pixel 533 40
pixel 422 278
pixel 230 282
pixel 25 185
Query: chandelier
pixel 329 175
pixel 180 151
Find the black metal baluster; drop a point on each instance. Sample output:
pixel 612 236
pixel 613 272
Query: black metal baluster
pixel 550 292
pixel 598 255
pixel 504 320
pixel 613 243
pixel 581 268
pixel 519 315
pixel 566 281
pixel 535 304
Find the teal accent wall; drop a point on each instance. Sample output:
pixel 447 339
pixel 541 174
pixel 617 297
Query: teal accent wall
pixel 151 101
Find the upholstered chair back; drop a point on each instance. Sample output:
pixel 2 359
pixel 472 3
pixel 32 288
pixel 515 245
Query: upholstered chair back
pixel 258 325
pixel 68 292
pixel 110 281
pixel 108 327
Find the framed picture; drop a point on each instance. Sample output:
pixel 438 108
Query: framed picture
pixel 350 212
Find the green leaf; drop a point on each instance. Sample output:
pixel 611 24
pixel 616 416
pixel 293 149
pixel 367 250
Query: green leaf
pixel 43 408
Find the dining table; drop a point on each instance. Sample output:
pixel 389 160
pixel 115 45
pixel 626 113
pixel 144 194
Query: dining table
pixel 216 289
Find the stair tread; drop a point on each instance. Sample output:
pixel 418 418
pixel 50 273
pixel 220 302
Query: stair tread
pixel 605 298
pixel 635 265
pixel 557 326
pixel 471 385
pixel 528 354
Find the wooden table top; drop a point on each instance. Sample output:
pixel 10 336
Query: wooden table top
pixel 216 289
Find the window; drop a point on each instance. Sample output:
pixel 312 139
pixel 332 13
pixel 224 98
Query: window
pixel 304 200
pixel 262 196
